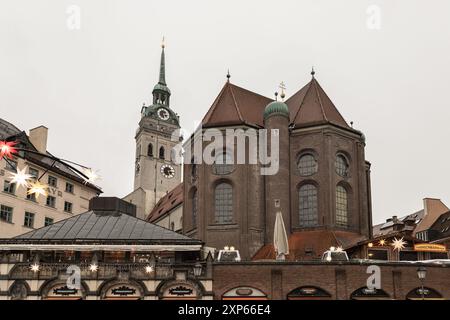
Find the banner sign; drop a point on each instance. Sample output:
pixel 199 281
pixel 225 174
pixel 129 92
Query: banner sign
pixel 430 247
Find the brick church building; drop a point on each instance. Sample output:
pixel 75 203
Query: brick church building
pixel 322 187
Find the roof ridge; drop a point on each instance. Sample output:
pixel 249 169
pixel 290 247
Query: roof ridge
pixel 303 99
pixel 236 105
pixel 320 100
pixel 252 92
pixel 215 103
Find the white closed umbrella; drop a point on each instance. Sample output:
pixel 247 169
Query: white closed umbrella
pixel 280 239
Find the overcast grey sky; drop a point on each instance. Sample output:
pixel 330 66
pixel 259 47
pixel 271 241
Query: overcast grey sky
pixel 87 85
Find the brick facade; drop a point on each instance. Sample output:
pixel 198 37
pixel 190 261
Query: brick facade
pixel 277 280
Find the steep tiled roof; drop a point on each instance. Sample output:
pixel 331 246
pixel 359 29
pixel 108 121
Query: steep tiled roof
pixel 167 203
pixel 7 129
pixel 434 208
pixel 235 105
pixel 387 228
pixel 310 245
pixel 312 105
pixel 12 133
pixel 104 227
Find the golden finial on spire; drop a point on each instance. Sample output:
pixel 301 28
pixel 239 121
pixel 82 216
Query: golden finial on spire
pixel 282 86
pixel 163 43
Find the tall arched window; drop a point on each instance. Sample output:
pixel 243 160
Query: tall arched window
pixel 341 206
pixel 223 203
pixel 161 153
pixel 307 205
pixel 150 150
pixel 223 163
pixel 307 165
pixel 194 208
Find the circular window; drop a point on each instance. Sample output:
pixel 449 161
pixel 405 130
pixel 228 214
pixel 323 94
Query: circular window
pixel 223 163
pixel 341 165
pixel 307 165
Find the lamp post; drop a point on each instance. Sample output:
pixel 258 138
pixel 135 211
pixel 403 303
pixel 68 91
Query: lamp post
pixel 198 270
pixel 421 274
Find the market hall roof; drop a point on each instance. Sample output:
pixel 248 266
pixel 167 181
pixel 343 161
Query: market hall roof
pixel 104 226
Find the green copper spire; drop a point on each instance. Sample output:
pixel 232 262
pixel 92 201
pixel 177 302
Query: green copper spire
pixel 162 67
pixel 161 93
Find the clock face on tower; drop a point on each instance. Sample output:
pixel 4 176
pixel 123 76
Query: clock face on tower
pixel 163 114
pixel 167 171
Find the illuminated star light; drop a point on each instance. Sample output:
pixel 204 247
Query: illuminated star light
pixel 339 249
pixel 91 175
pixel 7 149
pixel 398 244
pixel 93 267
pixel 37 189
pixel 34 267
pixel 382 242
pixel 149 269
pixel 21 178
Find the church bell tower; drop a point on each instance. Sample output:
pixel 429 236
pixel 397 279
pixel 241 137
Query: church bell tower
pixel 156 169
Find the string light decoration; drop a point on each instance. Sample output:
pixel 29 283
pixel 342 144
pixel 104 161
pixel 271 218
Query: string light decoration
pixel 22 179
pixel 35 267
pixel 149 269
pixel 37 188
pixel 93 267
pixel 398 244
pixel 7 149
pixel 91 175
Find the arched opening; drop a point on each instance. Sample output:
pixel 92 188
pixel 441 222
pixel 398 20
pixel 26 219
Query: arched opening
pixel 150 150
pixel 308 293
pixel 121 290
pixel 162 154
pixel 369 294
pixel 424 293
pixel 341 165
pixel 223 163
pixel 59 290
pixel 180 290
pixel 307 164
pixel 19 290
pixel 244 293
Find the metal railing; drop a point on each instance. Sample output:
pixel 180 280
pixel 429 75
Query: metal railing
pixel 23 270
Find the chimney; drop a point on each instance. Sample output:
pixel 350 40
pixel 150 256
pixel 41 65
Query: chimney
pixel 434 207
pixel 38 137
